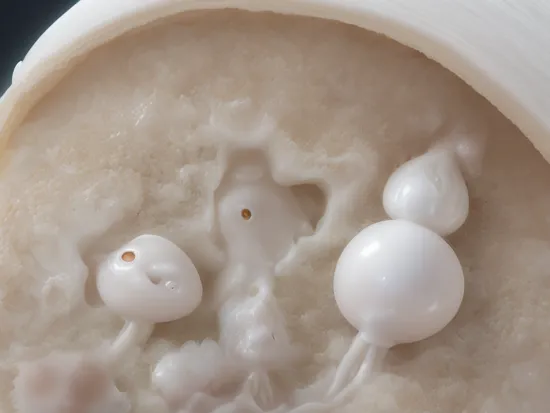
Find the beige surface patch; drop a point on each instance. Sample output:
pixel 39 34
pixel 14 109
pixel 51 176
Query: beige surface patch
pixel 129 143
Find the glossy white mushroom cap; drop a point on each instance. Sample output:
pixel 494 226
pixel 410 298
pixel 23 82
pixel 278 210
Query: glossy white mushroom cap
pixel 398 282
pixel 150 279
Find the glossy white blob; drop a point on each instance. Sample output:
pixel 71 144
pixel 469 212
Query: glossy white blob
pixel 430 191
pixel 259 219
pixel 150 279
pixel 398 282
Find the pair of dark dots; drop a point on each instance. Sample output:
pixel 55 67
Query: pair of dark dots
pixel 130 256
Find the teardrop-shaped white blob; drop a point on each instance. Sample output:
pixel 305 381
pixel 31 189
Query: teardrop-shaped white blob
pixel 430 191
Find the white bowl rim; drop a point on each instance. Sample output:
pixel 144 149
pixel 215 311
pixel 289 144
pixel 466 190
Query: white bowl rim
pixel 499 48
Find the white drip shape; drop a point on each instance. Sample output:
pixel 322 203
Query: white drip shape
pixel 260 222
pixel 430 191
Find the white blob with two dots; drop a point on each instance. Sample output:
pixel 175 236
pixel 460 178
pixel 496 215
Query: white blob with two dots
pixel 149 280
pixel 398 281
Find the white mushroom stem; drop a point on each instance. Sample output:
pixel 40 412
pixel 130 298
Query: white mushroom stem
pixel 132 335
pixel 339 390
pixel 374 355
pixel 148 280
pixel 348 363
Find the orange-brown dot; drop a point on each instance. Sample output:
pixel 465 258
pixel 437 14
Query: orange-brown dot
pixel 128 256
pixel 246 214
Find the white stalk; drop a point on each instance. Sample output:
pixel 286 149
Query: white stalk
pixel 149 280
pixel 348 363
pixel 374 355
pixel 132 334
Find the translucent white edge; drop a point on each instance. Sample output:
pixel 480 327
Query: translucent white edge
pixel 499 47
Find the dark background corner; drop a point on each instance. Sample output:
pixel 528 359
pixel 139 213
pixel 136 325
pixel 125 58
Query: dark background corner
pixel 21 24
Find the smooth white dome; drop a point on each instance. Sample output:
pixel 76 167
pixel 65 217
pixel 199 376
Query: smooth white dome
pixel 398 282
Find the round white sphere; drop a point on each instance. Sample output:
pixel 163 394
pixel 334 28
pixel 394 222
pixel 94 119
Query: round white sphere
pixel 429 190
pixel 398 282
pixel 150 279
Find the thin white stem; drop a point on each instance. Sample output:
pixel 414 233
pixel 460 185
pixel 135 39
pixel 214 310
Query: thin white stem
pixel 348 363
pixel 342 376
pixel 374 355
pixel 258 389
pixel 132 334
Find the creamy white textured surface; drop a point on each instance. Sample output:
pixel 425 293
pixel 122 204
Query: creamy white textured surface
pixel 128 144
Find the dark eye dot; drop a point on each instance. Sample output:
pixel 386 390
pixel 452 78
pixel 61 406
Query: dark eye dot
pixel 246 214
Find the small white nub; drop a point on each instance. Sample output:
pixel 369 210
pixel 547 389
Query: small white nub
pixel 16 73
pixel 430 191
pixel 150 279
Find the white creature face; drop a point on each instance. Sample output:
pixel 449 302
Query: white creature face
pixel 259 218
pixel 67 383
pixel 150 279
